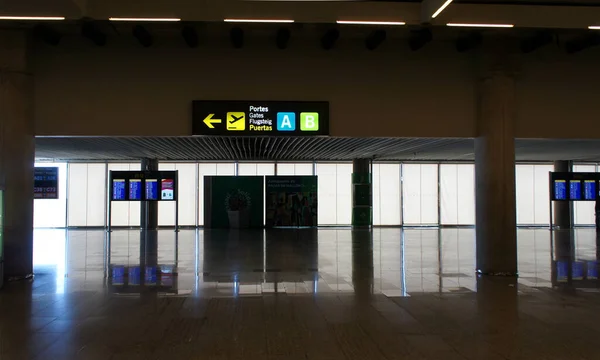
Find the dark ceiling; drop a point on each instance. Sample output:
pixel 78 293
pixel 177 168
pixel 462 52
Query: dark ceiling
pixel 299 148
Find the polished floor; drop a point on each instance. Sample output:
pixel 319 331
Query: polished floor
pixel 301 294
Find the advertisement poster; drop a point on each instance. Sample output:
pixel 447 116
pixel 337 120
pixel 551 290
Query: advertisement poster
pixel 167 189
pixel 291 201
pixel 234 202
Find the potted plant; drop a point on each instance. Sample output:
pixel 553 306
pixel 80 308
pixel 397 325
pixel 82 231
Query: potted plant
pixel 238 205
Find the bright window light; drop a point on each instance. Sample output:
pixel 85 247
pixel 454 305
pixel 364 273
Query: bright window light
pixel 34 18
pixel 441 8
pixel 482 25
pixel 145 19
pixel 357 22
pixel 279 21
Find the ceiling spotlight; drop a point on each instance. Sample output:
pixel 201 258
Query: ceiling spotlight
pixel 142 35
pixel 47 34
pixel 283 38
pixel 375 39
pixel 329 39
pixel 419 38
pixel 190 36
pixel 579 44
pixel 541 38
pixel 468 41
pixel 90 30
pixel 237 37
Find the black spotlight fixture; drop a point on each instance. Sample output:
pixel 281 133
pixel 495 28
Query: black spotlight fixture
pixel 90 30
pixel 375 39
pixel 283 38
pixel 142 35
pixel 419 38
pixel 47 34
pixel 190 36
pixel 468 41
pixel 237 37
pixel 541 38
pixel 329 39
pixel 579 44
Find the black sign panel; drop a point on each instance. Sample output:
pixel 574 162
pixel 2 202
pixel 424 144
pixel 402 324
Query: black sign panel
pixel 143 185
pixel 45 183
pixel 261 118
pixel 570 186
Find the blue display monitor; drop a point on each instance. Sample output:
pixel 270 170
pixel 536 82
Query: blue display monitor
pixel 560 190
pixel 575 189
pixel 135 189
pixel 589 189
pixel 119 190
pixel 151 189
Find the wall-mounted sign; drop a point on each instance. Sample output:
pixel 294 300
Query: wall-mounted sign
pixel 45 183
pixel 143 185
pixel 571 186
pixel 260 118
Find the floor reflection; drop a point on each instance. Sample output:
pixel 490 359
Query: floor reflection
pixel 393 262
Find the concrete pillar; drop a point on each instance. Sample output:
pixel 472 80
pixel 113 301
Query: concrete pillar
pixel 17 153
pixel 362 193
pixel 563 210
pixel 495 175
pixel 149 209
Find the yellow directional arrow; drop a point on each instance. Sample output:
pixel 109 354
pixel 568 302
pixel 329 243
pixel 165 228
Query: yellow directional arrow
pixel 209 121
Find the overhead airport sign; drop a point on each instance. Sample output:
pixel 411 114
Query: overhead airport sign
pixel 260 118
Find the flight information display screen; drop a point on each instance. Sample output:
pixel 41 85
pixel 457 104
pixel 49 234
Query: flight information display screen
pixel 143 185
pixel 589 190
pixel 560 189
pixel 135 189
pixel 45 183
pixel 118 193
pixel 151 189
pixel 575 190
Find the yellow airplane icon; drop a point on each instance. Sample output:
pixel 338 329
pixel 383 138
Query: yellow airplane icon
pixel 236 121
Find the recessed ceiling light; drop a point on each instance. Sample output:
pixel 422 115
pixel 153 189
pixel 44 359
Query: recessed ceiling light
pixel 482 25
pixel 441 8
pixel 358 22
pixel 279 21
pixel 35 18
pixel 145 19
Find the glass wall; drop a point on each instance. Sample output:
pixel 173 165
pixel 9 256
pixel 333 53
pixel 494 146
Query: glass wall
pixel 86 195
pixel 335 193
pixel 51 213
pixel 583 211
pixel 387 199
pixel 532 191
pixel 208 169
pixel 457 194
pixel 420 194
pixel 403 194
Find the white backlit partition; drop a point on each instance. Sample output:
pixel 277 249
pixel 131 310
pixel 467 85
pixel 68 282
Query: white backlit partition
pixel 584 210
pixel 335 196
pixel 125 213
pixel 457 194
pixel 302 169
pixel 387 207
pixel 532 192
pixel 52 212
pixel 86 197
pixel 253 169
pixel 420 194
pixel 207 169
pixel 186 197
